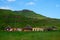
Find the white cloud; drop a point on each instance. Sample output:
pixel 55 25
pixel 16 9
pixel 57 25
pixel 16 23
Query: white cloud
pixel 5 8
pixel 11 0
pixel 57 5
pixel 30 3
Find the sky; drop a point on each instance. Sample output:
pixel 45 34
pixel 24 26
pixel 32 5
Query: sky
pixel 49 8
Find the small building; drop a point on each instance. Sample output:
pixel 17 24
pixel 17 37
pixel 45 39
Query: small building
pixel 14 29
pixel 9 29
pixel 52 28
pixel 27 28
pixel 37 29
pixel 19 29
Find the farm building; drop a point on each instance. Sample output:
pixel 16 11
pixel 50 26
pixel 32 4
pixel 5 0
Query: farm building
pixel 52 28
pixel 37 29
pixel 9 29
pixel 14 29
pixel 19 29
pixel 27 28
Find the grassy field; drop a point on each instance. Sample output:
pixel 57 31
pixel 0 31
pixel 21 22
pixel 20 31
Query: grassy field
pixel 55 35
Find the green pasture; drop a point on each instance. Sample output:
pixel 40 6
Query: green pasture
pixel 52 35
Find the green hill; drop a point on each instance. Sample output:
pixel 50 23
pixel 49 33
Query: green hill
pixel 30 14
pixel 25 17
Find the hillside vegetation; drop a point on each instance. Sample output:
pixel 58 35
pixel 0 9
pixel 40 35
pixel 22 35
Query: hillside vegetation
pixel 25 17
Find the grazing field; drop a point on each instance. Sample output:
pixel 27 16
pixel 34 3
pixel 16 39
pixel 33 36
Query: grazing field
pixel 52 35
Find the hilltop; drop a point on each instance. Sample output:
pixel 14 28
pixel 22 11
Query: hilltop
pixel 30 14
pixel 25 17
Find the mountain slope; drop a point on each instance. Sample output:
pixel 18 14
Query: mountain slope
pixel 30 14
pixel 25 17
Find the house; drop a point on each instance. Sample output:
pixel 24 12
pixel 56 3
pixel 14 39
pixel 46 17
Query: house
pixel 52 28
pixel 9 29
pixel 37 29
pixel 14 29
pixel 27 28
pixel 19 29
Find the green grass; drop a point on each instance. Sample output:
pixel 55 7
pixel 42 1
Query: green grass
pixel 29 35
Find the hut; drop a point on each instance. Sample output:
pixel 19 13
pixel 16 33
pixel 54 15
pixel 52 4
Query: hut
pixel 19 29
pixel 37 29
pixel 27 28
pixel 8 29
pixel 14 29
pixel 52 28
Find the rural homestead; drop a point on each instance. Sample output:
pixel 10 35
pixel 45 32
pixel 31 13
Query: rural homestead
pixel 29 19
pixel 29 28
